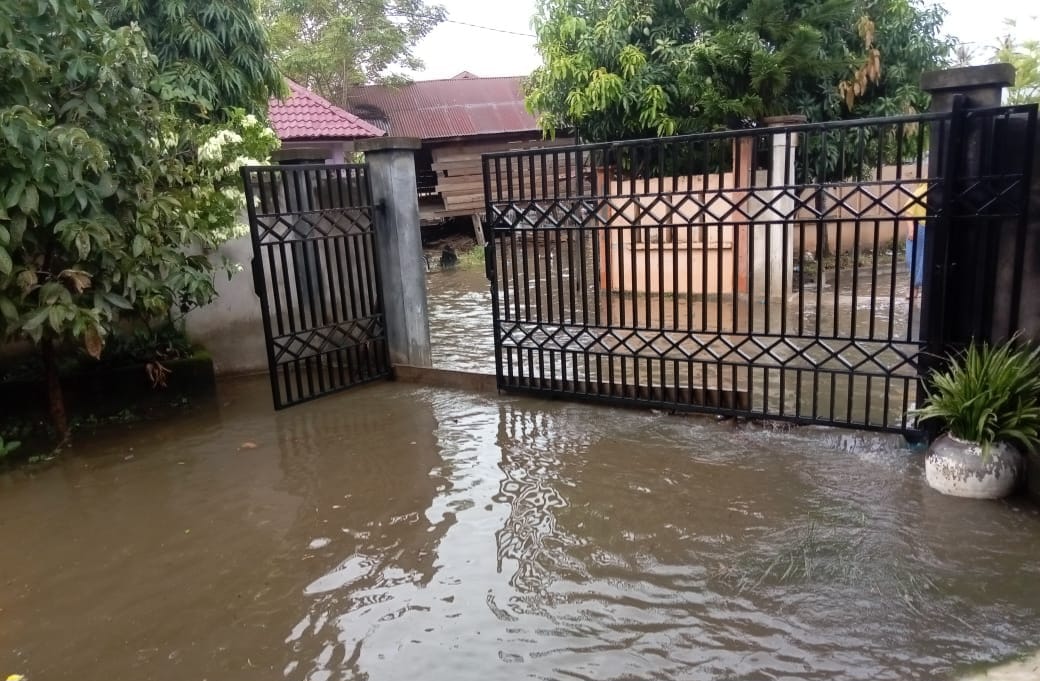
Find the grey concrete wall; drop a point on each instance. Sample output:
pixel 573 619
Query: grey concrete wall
pixel 231 327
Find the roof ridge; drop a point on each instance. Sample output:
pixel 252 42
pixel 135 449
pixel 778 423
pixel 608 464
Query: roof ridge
pixel 439 80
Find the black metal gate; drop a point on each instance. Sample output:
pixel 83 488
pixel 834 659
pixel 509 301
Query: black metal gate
pixel 315 271
pixel 760 272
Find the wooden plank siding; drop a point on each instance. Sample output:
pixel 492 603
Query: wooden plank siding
pixel 460 176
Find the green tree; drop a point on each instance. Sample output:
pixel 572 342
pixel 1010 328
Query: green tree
pixel 108 200
pixel 211 52
pixel 332 45
pixel 616 69
pixel 1024 55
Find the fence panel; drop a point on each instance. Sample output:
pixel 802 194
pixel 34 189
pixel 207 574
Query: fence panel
pixel 315 271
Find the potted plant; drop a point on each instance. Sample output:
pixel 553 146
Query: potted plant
pixel 988 402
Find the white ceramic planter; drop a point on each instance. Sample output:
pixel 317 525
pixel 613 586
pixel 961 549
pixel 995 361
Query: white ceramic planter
pixel 957 468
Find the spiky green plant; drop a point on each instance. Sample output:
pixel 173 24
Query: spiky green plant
pixel 988 394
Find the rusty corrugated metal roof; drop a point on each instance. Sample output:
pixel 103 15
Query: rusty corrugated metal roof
pixel 464 106
pixel 304 115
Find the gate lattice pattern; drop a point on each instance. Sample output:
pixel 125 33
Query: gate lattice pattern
pixel 315 271
pixel 759 272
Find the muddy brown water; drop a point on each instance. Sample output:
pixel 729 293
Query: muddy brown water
pixel 403 532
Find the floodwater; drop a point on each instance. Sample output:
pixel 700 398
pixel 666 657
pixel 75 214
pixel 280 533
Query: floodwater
pixel 402 532
pixel 461 328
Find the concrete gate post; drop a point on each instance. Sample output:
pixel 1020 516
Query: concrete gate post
pixel 951 253
pixel 781 235
pixel 402 269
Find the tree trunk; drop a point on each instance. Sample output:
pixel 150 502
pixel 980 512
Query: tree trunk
pixel 55 398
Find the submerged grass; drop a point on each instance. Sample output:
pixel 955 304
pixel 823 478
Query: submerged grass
pixel 472 259
pixel 824 554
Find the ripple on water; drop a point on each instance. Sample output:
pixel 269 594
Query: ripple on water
pixel 514 539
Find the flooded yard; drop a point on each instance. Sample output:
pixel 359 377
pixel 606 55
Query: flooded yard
pixel 397 532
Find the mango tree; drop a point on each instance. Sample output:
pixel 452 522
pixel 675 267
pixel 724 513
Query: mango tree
pixel 619 69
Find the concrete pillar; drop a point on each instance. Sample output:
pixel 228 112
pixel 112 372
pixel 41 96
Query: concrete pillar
pixel 983 86
pixel 402 270
pixel 952 258
pixel 776 232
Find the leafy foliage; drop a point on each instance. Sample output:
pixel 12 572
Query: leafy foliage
pixel 330 46
pixel 110 200
pixel 619 69
pixel 989 394
pixel 8 446
pixel 1024 55
pixel 163 342
pixel 213 54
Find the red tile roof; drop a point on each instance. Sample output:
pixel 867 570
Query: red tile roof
pixel 304 115
pixel 463 106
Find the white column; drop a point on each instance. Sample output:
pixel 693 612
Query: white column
pixel 778 262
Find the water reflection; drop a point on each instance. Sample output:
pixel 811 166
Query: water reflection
pixel 383 548
pixel 530 538
pixel 397 532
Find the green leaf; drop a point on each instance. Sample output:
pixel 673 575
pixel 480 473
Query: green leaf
pixel 56 316
pixel 5 262
pixel 8 309
pixel 17 228
pixel 117 300
pixel 83 245
pixel 36 320
pixel 5 236
pixel 139 245
pixel 106 186
pixel 30 200
pixel 14 191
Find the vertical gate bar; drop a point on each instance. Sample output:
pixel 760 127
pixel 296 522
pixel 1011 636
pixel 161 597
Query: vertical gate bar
pixel 375 279
pixel 363 250
pixel 610 249
pixel 980 230
pixel 1022 225
pixel 491 262
pixel 314 190
pixel 334 320
pixel 935 295
pixel 633 240
pixel 582 278
pixel 287 274
pixel 335 264
pixel 280 206
pixel 261 244
pixel 832 414
pixel 875 254
pixel 300 251
pixel 340 246
pixel 886 400
pixel 248 173
pixel 718 272
pixel 822 229
pixel 905 412
pixel 801 277
pixel 545 174
pixel 787 258
pixel 836 280
pixel 515 267
pixel 569 197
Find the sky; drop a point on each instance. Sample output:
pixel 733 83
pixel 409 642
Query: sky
pixel 454 47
